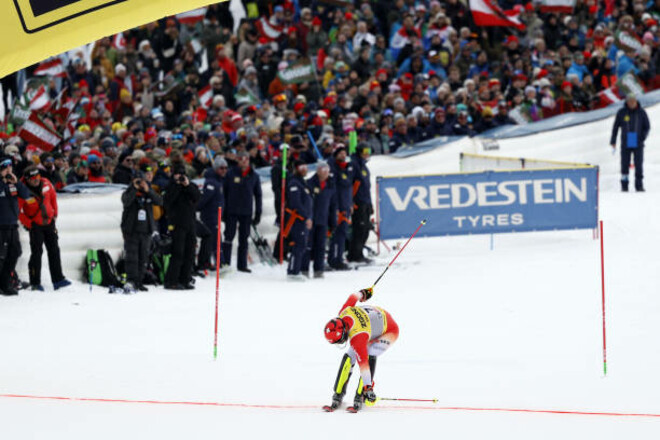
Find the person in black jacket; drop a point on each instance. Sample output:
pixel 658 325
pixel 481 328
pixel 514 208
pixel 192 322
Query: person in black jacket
pixel 180 202
pixel 299 218
pixel 137 227
pixel 213 197
pixel 125 172
pixel 363 206
pixel 324 217
pixel 634 124
pixel 10 246
pixel 242 188
pixel 342 172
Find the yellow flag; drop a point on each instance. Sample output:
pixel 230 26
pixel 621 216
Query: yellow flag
pixel 33 30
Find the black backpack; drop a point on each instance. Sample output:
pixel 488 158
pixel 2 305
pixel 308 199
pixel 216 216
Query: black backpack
pixel 100 270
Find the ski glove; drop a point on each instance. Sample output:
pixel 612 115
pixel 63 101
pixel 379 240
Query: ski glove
pixel 256 220
pixel 369 395
pixel 367 293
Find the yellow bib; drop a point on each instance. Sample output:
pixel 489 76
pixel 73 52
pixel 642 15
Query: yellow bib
pixel 361 321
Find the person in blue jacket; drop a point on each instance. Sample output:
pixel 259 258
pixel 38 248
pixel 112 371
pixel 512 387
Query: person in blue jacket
pixel 634 124
pixel 242 189
pixel 299 218
pixel 213 197
pixel 324 216
pixel 363 207
pixel 342 172
pixel 10 246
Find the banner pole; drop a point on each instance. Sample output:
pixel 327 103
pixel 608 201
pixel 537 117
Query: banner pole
pixel 217 285
pixel 602 277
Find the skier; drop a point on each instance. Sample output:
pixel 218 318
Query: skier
pixel 370 331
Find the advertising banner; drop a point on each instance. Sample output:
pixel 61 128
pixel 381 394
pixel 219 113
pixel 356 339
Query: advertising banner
pixel 489 202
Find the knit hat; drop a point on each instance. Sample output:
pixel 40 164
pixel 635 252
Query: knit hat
pixel 219 162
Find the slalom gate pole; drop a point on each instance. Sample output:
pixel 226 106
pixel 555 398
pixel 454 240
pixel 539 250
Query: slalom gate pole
pixel 408 400
pixel 602 278
pixel 422 223
pixel 217 285
pixel 283 195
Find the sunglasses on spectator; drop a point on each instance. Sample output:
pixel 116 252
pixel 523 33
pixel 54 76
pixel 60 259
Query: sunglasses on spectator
pixel 34 175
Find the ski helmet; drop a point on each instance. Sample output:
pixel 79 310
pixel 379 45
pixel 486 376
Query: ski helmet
pixel 336 331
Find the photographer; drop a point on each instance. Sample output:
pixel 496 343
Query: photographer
pixel 38 215
pixel 181 199
pixel 10 246
pixel 137 227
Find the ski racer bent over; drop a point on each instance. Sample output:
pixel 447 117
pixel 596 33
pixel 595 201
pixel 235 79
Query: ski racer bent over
pixel 370 331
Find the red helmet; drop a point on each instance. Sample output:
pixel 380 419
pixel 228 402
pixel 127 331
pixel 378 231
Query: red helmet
pixel 336 331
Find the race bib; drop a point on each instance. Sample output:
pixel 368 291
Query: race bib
pixel 142 215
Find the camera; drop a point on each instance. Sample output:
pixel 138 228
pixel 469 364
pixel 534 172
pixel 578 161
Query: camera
pixel 181 179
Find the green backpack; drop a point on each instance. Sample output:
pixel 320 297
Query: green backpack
pixel 100 269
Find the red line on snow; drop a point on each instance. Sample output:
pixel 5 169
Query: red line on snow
pixel 266 406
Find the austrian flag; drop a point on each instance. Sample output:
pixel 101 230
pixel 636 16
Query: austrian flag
pixel 191 17
pixel 34 131
pixel 53 67
pixel 488 13
pixel 205 97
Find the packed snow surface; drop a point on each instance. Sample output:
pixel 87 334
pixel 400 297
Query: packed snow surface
pixel 516 327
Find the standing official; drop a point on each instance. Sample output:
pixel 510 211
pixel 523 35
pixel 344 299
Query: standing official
pixel 137 227
pixel 10 246
pixel 298 219
pixel 213 197
pixel 362 205
pixel 38 215
pixel 180 202
pixel 342 173
pixel 635 126
pixel 324 216
pixel 243 198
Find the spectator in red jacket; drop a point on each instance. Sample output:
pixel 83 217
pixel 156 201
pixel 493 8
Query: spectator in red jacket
pixel 38 215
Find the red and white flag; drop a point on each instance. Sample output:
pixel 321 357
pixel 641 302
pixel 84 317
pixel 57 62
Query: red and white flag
pixel 267 30
pixel 488 13
pixel 71 124
pixel 119 41
pixel 40 99
pixel 559 6
pixel 206 96
pixel 35 132
pixel 54 67
pixel 191 17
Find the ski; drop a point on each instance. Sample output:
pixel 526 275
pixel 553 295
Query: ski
pixel 328 408
pixel 352 409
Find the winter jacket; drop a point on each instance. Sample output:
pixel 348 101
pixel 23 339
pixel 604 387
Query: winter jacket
pixel 242 192
pixel 362 181
pixel 180 203
pixel 123 175
pixel 138 214
pixel 631 121
pixel 342 174
pixel 325 204
pixel 299 198
pixel 41 208
pixel 213 197
pixel 9 195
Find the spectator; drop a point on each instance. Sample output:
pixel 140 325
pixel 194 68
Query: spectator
pixel 324 217
pixel 180 201
pixel 299 220
pixel 212 198
pixel 79 174
pixel 10 246
pixel 124 172
pixel 137 227
pixel 242 190
pixel 634 124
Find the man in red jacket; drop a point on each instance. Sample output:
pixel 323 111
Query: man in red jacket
pixel 38 215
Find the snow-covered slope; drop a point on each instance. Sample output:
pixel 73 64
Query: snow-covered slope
pixel 518 327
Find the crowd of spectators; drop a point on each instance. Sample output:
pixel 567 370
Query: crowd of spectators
pixel 397 73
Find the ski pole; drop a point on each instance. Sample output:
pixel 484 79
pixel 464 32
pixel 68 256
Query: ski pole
pixel 408 400
pixel 285 147
pixel 422 223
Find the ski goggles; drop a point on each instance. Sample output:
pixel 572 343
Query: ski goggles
pixel 6 163
pixel 33 174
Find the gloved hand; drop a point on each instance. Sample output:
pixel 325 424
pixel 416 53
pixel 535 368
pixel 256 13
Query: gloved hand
pixel 369 395
pixel 367 293
pixel 256 219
